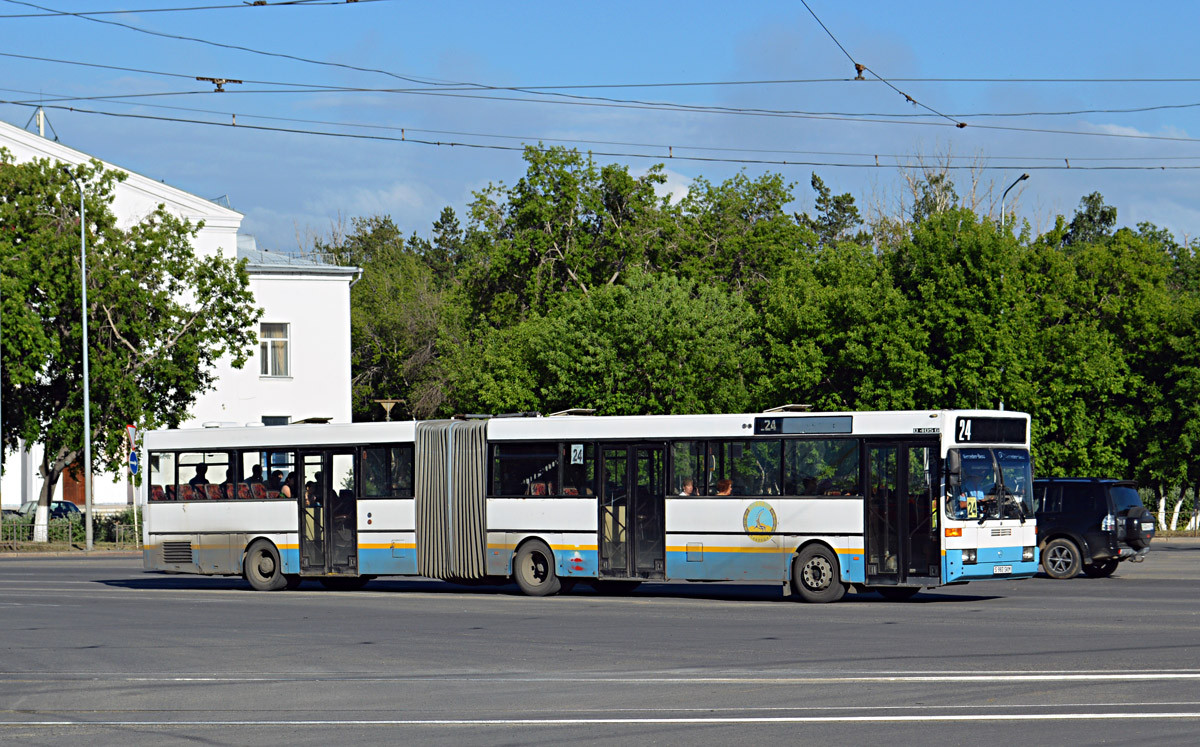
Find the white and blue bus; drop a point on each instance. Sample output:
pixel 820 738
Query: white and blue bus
pixel 816 502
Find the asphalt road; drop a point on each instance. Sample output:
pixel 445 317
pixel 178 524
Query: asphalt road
pixel 96 651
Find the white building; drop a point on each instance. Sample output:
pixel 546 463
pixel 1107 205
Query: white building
pixel 302 367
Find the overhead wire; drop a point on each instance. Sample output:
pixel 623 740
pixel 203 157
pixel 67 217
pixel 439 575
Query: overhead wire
pixel 140 11
pixel 237 47
pixel 859 67
pixel 609 154
pixel 541 138
pixel 322 88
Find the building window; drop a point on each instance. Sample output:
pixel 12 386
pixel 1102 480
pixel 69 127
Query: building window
pixel 273 345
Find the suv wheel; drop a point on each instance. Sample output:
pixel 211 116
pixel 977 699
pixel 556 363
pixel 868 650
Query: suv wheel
pixel 1061 559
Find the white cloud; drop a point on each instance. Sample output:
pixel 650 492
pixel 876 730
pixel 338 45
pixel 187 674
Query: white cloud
pixel 676 187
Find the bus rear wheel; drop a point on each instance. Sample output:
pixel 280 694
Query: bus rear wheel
pixel 533 570
pixel 816 576
pixel 262 568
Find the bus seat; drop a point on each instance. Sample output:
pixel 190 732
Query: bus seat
pixel 260 491
pixel 157 494
pixel 183 491
pixel 243 491
pixel 213 491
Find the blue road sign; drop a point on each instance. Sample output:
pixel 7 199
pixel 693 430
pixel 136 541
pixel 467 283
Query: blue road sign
pixel 133 463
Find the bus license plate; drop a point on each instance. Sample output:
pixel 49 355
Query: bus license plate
pixel 1002 569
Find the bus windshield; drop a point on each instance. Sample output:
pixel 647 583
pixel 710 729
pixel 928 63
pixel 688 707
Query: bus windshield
pixel 992 484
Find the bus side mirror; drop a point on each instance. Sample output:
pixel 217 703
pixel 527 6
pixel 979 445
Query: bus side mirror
pixel 953 462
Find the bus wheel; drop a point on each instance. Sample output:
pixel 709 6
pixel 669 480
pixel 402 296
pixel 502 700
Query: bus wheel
pixel 815 575
pixel 1103 569
pixel 344 583
pixel 533 570
pixel 897 593
pixel 1060 559
pixel 262 568
pixel 614 588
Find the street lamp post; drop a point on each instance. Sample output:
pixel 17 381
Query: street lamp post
pixel 87 397
pixel 1020 179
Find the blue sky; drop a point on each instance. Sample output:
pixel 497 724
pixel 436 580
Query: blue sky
pixel 292 186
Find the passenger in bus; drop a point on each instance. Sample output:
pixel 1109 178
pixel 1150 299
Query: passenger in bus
pixel 724 487
pixel 227 487
pixel 256 475
pixel 276 481
pixel 288 489
pixel 199 479
pixel 688 488
pixel 810 486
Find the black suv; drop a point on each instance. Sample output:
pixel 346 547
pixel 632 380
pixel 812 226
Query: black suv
pixel 1090 524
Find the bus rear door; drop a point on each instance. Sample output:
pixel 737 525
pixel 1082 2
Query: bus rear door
pixel 328 504
pixel 632 502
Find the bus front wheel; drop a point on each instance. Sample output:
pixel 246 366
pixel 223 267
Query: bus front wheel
pixel 816 577
pixel 262 568
pixel 533 570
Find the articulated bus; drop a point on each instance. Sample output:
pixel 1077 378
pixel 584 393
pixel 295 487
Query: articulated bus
pixel 815 502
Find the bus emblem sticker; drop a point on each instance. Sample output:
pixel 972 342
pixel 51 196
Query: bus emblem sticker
pixel 760 521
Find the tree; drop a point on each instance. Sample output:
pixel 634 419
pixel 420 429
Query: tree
pixel 836 215
pixel 396 313
pixel 567 226
pixel 654 345
pixel 159 317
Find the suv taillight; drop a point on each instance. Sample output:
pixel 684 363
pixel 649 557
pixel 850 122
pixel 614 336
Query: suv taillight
pixel 1109 523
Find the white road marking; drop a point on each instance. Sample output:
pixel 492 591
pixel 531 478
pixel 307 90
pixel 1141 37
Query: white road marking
pixel 644 721
pixel 732 679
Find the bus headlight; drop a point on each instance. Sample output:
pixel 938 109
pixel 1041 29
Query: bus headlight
pixel 968 557
pixel 1026 553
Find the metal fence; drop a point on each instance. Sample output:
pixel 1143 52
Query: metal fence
pixel 67 534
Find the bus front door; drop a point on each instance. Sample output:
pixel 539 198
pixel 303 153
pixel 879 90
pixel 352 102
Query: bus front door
pixel 632 503
pixel 328 503
pixel 902 543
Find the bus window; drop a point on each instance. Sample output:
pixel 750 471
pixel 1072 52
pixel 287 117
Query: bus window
pixel 279 467
pixel 824 466
pixel 387 471
pixel 205 476
pixel 162 476
pixel 688 476
pixel 579 468
pixel 752 466
pixel 525 469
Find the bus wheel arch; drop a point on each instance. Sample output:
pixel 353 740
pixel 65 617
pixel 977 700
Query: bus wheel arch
pixel 262 566
pixel 817 574
pixel 534 568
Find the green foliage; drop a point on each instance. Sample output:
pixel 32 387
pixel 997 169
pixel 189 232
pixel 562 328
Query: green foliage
pixel 159 317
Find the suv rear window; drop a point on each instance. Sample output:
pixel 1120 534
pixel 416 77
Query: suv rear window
pixel 1124 497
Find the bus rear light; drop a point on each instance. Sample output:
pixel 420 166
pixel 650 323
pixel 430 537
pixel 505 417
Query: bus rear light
pixel 957 532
